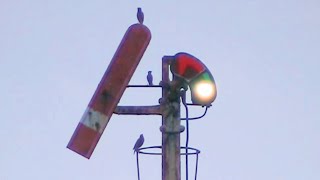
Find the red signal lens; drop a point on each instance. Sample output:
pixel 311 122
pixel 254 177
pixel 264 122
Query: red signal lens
pixel 187 66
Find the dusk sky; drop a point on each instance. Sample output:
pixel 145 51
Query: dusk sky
pixel 263 54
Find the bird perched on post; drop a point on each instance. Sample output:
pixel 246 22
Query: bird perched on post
pixel 140 16
pixel 150 78
pixel 138 144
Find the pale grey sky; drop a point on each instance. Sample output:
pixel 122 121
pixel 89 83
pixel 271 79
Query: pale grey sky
pixel 263 54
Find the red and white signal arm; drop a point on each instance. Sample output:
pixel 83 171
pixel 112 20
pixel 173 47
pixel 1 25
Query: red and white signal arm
pixel 110 90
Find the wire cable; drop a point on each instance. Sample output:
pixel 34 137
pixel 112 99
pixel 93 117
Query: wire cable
pixel 195 118
pixel 187 141
pixel 183 99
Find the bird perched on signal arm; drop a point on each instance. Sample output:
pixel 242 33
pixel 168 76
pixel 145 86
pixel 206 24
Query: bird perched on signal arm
pixel 150 78
pixel 138 144
pixel 140 16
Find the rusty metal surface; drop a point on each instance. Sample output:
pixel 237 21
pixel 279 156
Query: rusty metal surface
pixel 138 110
pixel 112 86
pixel 171 128
pixel 121 68
pixel 144 86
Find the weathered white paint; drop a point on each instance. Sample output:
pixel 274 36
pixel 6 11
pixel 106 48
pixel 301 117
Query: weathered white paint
pixel 94 120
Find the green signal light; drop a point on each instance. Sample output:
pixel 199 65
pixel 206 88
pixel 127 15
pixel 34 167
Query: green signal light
pixel 203 89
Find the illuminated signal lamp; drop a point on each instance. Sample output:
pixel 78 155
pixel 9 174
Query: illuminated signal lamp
pixel 197 76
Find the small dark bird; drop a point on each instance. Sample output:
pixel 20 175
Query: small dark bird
pixel 150 78
pixel 140 16
pixel 138 144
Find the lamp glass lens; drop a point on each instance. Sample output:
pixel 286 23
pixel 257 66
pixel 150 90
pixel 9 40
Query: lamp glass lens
pixel 203 89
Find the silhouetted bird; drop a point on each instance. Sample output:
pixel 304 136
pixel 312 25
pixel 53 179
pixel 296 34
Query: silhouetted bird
pixel 139 143
pixel 140 16
pixel 150 78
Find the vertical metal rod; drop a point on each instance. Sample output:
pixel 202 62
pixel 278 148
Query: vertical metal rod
pixel 138 168
pixel 196 173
